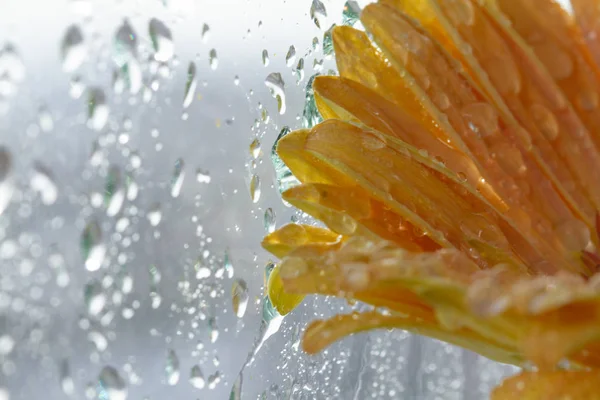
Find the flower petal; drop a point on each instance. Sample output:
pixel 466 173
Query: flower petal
pixel 572 385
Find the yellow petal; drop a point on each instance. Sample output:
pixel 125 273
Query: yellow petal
pixel 291 236
pixel 283 301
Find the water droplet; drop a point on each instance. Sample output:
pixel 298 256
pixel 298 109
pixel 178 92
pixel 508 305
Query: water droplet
pixel 205 33
pixel 310 115
pixel 588 99
pixel 545 121
pixel 132 188
pixel 12 70
pixel 290 57
pixel 162 40
pixel 98 110
pixel 236 80
pixel 114 191
pixel 196 377
pixel 43 183
pixel 202 176
pixel 92 247
pixel 190 85
pixel 328 41
pixel 45 120
pixel 95 298
pixel 76 87
pixel 300 71
pixel 172 368
pixel 125 44
pixel 285 178
pixel 317 12
pixel 155 275
pixel 213 61
pixel 481 118
pixel 177 178
pixel 214 329
pixel 155 215
pixel 98 339
pixel 265 57
pixel 6 178
pixel 73 49
pixel 66 381
pixel 275 82
pixel 214 380
pixel 269 220
pixel 255 148
pixel 110 385
pixel 7 344
pixel 351 13
pixel 239 297
pixel 255 188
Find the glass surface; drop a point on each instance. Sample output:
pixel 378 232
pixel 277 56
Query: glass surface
pixel 137 177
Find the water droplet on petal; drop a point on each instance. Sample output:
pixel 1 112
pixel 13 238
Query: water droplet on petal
pixel 481 118
pixel 275 83
pixel 190 85
pixel 73 49
pixel 177 178
pixel 545 121
pixel 42 182
pixel 93 249
pixel 110 385
pixel 239 297
pixel 172 368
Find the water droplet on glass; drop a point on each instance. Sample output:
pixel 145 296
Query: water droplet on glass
pixel 205 33
pixel 73 49
pixel 92 247
pixel 317 12
pixel 43 183
pixel 66 381
pixel 125 44
pixel 177 178
pixel 310 115
pixel 351 13
pixel 255 188
pixel 110 385
pixel 12 70
pixel 275 82
pixel 132 188
pixel 269 220
pixel 114 191
pixel 45 120
pixel 214 380
pixel 300 71
pixel 196 377
pixel 265 58
pixel 162 40
pixel 98 110
pixel 213 61
pixel 172 368
pixel 95 298
pixel 285 178
pixel 315 43
pixel 255 148
pixel 239 297
pixel 76 87
pixel 154 215
pixel 214 329
pixel 328 41
pixel 290 57
pixel 190 85
pixel 236 80
pixel 6 178
pixel 202 176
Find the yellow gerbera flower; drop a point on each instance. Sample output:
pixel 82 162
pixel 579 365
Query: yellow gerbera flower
pixel 456 173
